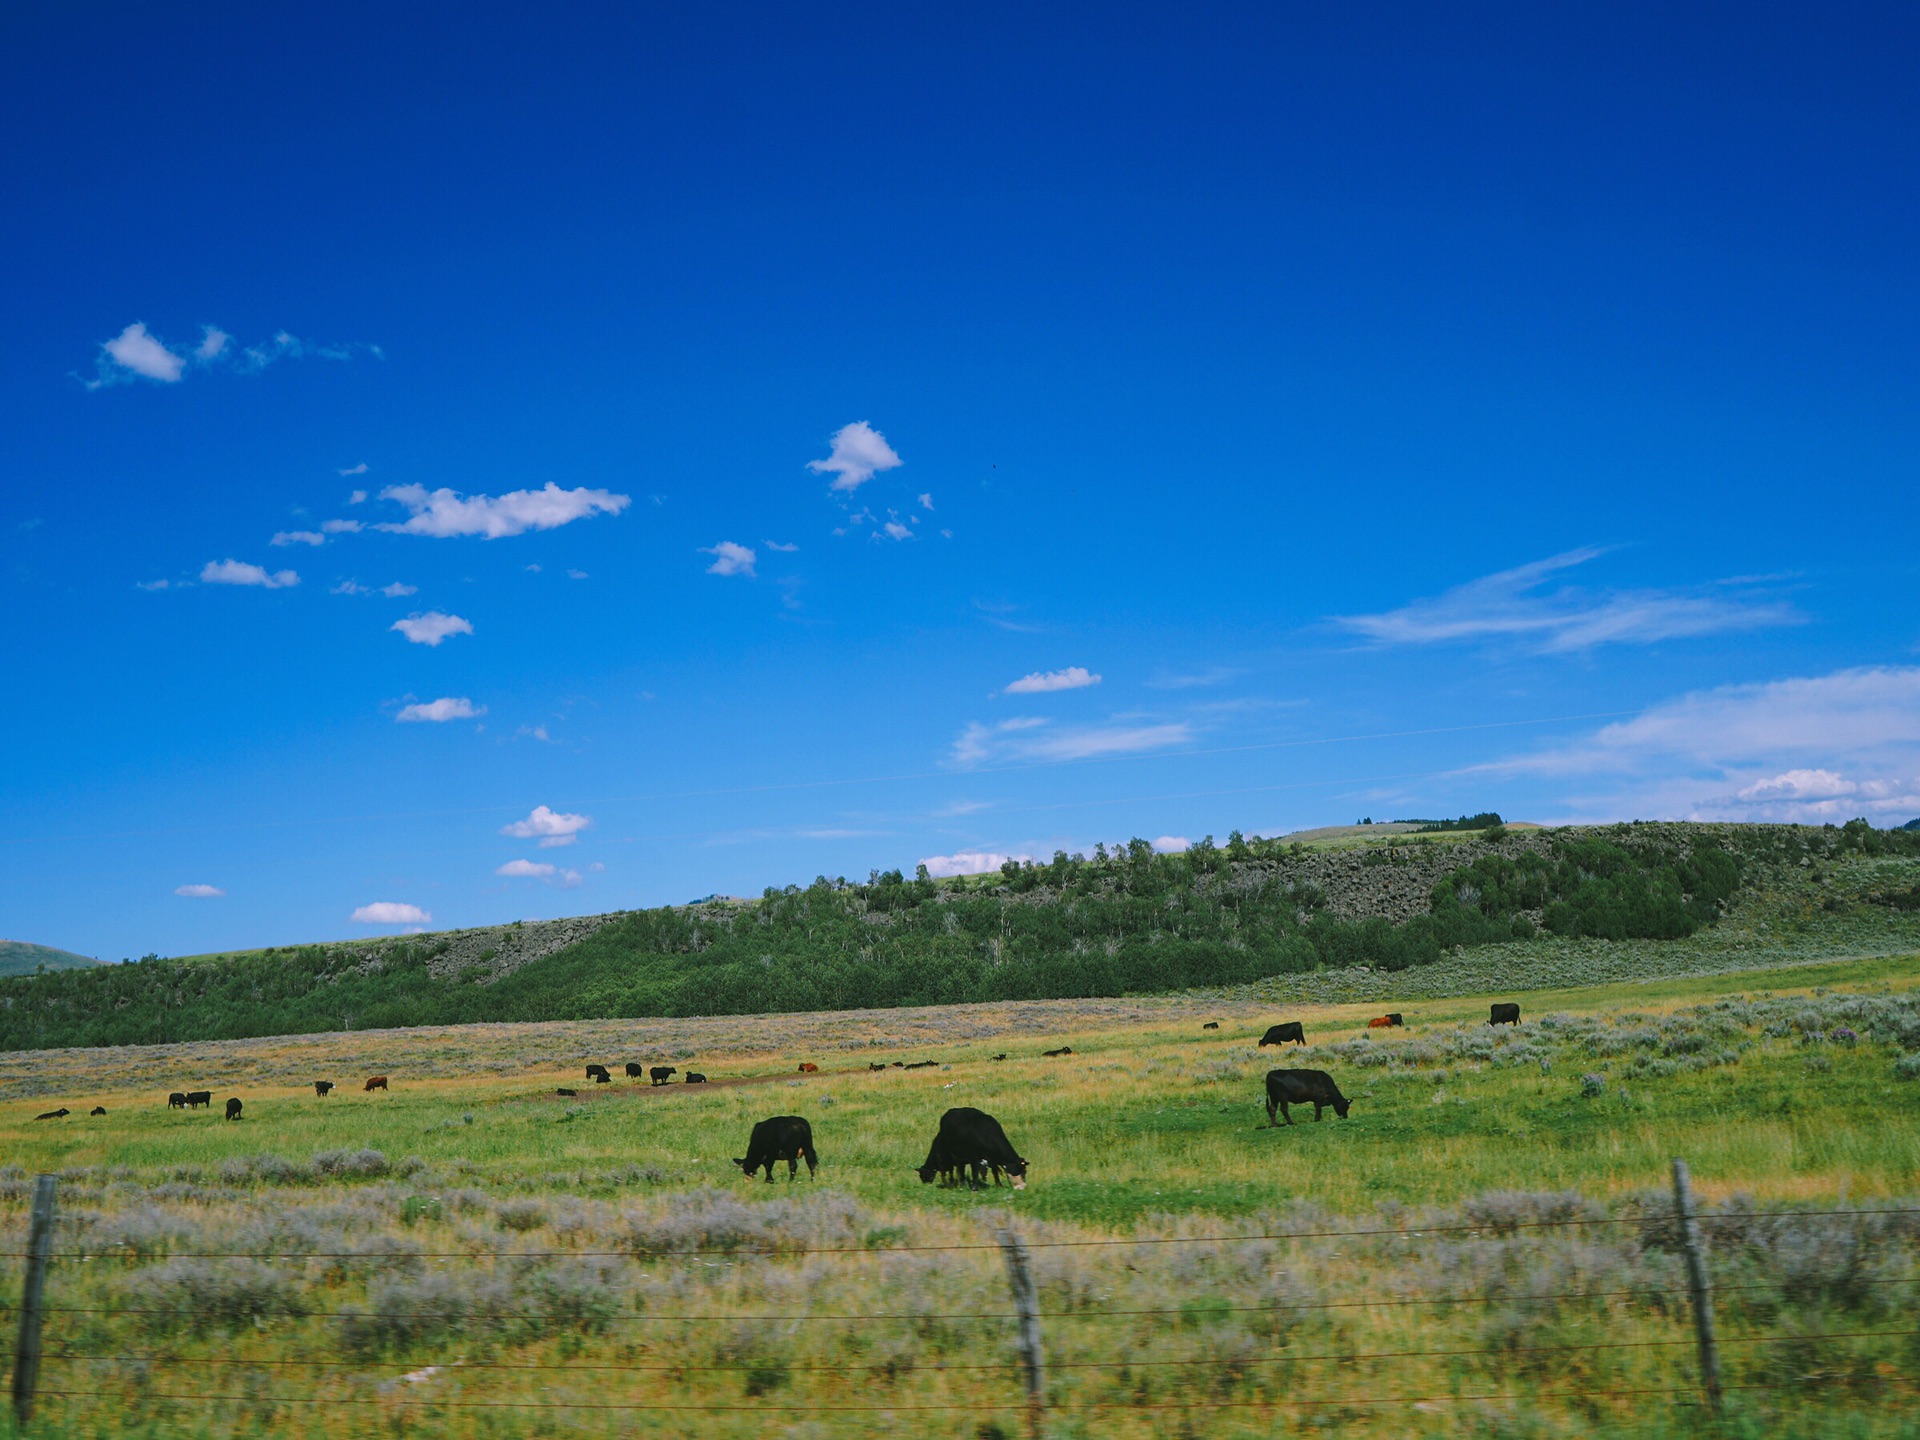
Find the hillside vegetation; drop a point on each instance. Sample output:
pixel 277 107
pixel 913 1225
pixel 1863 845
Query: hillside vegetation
pixel 21 957
pixel 1126 921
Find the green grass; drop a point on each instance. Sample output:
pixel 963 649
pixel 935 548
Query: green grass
pixel 1153 1128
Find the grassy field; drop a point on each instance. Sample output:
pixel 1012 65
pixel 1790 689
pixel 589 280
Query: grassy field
pixel 474 1221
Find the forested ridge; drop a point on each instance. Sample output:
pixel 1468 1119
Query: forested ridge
pixel 1122 921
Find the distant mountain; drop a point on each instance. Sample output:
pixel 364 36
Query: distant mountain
pixel 1913 824
pixel 18 957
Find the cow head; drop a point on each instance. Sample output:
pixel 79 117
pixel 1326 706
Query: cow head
pixel 1340 1106
pixel 746 1166
pixel 926 1172
pixel 1017 1174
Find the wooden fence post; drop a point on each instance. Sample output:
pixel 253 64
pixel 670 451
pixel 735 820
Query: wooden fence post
pixel 26 1352
pixel 1026 1300
pixel 1697 1285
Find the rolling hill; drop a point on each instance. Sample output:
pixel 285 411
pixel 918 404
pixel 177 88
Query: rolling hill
pixel 22 957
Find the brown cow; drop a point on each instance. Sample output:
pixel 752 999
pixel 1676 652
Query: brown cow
pixel 378 1082
pixel 1379 1022
pixel 807 1067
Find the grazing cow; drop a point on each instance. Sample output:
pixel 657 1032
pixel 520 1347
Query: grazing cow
pixel 807 1067
pixel 876 1065
pixel 971 1140
pixel 635 1070
pixel 59 1114
pixel 377 1082
pixel 563 1090
pixel 233 1108
pixel 784 1137
pixel 197 1098
pixel 1385 1022
pixel 898 1065
pixel 98 1110
pixel 1211 1025
pixel 1063 1050
pixel 922 1065
pixel 694 1077
pixel 1394 1018
pixel 323 1088
pixel 1505 1014
pixel 1001 1056
pixel 1303 1087
pixel 661 1074
pixel 598 1074
pixel 1280 1034
pixel 177 1100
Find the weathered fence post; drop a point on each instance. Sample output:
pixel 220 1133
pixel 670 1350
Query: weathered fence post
pixel 1697 1285
pixel 1027 1301
pixel 26 1352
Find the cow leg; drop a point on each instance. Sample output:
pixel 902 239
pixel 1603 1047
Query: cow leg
pixel 1285 1114
pixel 793 1168
pixel 1316 1112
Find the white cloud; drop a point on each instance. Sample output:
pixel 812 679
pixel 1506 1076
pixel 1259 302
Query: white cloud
pixel 199 892
pixel 783 549
pixel 526 870
pixel 1043 682
pixel 576 574
pixel 432 627
pixel 359 469
pixel 926 502
pixel 238 572
pixel 154 584
pixel 1217 675
pixel 1809 748
pixel 342 527
pixel 446 513
pixel 136 351
pixel 859 452
pixel 299 537
pixel 969 862
pixel 1031 738
pixel 396 590
pixel 390 912
pixel 894 530
pixel 1172 844
pixel 729 559
pixel 447 707
pixel 552 827
pixel 1508 606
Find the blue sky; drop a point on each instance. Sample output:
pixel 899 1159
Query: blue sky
pixel 475 462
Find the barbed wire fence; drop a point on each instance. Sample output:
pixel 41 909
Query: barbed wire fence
pixel 1023 1315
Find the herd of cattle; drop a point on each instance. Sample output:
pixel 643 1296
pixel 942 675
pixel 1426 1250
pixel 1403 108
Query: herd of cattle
pixel 969 1147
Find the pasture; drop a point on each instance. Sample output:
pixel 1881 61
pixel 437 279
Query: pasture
pixel 475 1225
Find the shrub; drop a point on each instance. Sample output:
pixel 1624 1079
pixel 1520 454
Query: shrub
pixel 1592 1087
pixel 350 1164
pixel 199 1295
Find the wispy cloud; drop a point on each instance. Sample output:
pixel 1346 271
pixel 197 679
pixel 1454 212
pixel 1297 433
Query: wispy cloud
pixel 552 827
pixel 299 537
pixel 858 453
pixel 447 707
pixel 1808 748
pixel 432 627
pixel 394 591
pixel 1033 738
pixel 1514 606
pixel 359 469
pixel 776 545
pixel 238 572
pixel 969 862
pixel 136 353
pixel 390 912
pixel 730 559
pixel 1044 682
pixel 539 870
pixel 341 527
pixel 200 892
pixel 1214 675
pixel 444 514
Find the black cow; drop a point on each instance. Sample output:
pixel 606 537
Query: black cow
pixel 694 1077
pixel 1001 1056
pixel 921 1065
pixel 233 1108
pixel 1211 1025
pixel 1063 1050
pixel 1505 1014
pixel 563 1090
pixel 323 1088
pixel 784 1137
pixel 597 1074
pixel 876 1065
pixel 635 1070
pixel 971 1140
pixel 199 1097
pixel 899 1065
pixel 98 1110
pixel 1303 1087
pixel 1394 1017
pixel 177 1100
pixel 1280 1034
pixel 59 1114
pixel 661 1074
